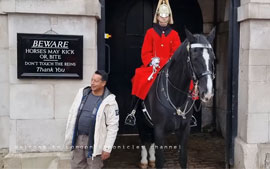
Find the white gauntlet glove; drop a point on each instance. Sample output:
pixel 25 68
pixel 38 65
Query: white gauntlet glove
pixel 155 62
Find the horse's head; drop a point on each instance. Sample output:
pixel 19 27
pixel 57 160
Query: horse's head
pixel 201 60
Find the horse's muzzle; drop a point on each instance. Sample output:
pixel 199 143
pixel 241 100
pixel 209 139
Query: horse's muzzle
pixel 205 97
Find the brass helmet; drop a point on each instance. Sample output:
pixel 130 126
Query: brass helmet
pixel 163 10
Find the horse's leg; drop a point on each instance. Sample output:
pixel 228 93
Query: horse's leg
pixel 144 162
pixel 159 141
pixel 183 135
pixel 144 132
pixel 152 157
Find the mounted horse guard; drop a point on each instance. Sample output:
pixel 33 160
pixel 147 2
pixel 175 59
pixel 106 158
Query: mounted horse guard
pixel 164 85
pixel 169 102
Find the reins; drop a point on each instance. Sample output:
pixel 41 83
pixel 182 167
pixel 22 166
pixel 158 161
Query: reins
pixel 182 110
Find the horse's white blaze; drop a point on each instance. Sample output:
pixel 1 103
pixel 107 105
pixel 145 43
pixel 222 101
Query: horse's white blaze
pixel 152 152
pixel 209 92
pixel 144 155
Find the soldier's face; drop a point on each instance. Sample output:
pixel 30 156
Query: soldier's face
pixel 97 83
pixel 163 21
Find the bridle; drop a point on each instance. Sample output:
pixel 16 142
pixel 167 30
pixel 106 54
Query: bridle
pixel 195 78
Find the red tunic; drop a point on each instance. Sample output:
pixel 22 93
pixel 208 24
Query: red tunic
pixel 154 45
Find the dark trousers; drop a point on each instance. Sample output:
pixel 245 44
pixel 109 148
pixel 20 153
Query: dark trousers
pixel 135 103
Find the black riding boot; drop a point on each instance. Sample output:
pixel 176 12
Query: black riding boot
pixel 131 119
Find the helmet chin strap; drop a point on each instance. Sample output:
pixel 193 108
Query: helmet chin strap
pixel 160 23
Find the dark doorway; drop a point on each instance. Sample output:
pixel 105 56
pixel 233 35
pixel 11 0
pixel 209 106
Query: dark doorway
pixel 127 22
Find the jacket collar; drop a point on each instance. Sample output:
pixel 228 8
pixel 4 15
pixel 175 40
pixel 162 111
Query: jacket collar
pixel 159 29
pixel 106 93
pixel 88 90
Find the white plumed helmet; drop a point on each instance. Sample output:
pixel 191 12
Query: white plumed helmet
pixel 163 10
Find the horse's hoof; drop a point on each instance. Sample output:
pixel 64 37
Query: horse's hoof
pixel 143 166
pixel 152 164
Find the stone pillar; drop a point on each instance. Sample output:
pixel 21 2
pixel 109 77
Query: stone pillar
pixel 4 83
pixel 36 110
pixel 207 8
pixel 252 145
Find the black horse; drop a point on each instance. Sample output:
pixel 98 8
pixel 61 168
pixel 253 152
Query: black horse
pixel 169 103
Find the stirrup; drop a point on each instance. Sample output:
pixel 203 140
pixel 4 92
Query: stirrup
pixel 131 119
pixel 193 122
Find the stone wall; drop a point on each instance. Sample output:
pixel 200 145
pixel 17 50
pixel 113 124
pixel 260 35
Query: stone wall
pixel 221 91
pixel 33 112
pixel 252 146
pixel 4 83
pixel 39 108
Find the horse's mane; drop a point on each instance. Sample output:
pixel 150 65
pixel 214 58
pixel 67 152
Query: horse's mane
pixel 182 49
pixel 180 52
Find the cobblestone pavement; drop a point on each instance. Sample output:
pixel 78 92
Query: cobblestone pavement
pixel 205 152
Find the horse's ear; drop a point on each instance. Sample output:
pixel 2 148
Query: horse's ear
pixel 189 35
pixel 212 35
